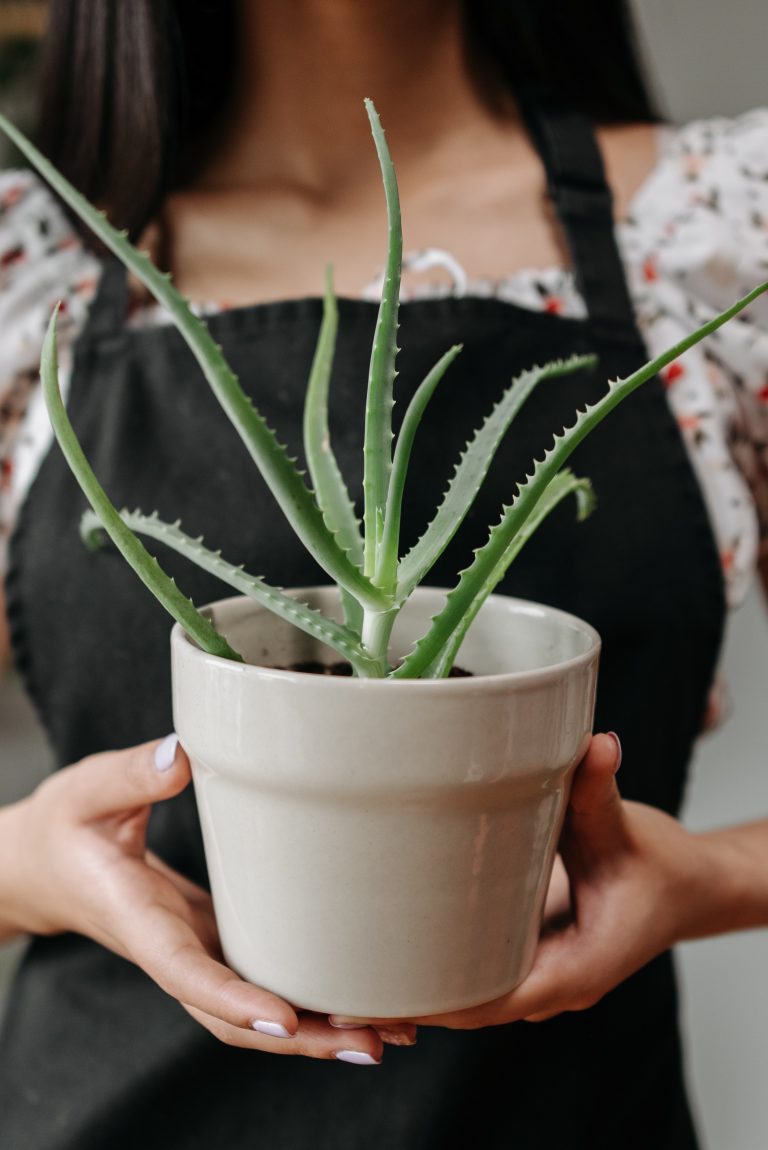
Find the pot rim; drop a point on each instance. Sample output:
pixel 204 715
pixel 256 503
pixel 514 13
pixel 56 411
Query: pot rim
pixel 185 647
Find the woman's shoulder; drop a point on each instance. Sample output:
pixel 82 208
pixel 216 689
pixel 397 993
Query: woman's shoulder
pixel 701 145
pixel 696 234
pixel 730 150
pixel 702 212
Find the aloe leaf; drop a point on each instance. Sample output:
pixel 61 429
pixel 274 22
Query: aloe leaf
pixel 330 488
pixel 132 549
pixel 284 480
pixel 472 469
pixel 563 485
pixel 472 580
pixel 377 450
pixel 313 622
pixel 386 567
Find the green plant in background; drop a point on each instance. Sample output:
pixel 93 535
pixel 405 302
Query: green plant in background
pixel 375 581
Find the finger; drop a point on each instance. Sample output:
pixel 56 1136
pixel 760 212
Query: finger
pixel 197 904
pixel 314 1038
pixel 594 816
pixel 594 784
pixel 458 1020
pixel 191 891
pixel 393 1034
pixel 563 981
pixel 557 908
pixel 170 952
pixel 403 1034
pixel 544 1017
pixel 121 781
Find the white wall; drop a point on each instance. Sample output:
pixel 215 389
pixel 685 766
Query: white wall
pixel 708 56
pixel 724 979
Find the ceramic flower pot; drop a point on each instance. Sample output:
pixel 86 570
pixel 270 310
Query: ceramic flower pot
pixel 383 848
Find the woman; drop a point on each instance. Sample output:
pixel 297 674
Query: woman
pixel 246 190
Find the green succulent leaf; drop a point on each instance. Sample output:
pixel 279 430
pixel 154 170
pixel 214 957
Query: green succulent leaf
pixel 472 469
pixel 307 619
pixel 563 485
pixel 472 580
pixel 386 567
pixel 330 489
pixel 284 480
pixel 132 549
pixel 377 450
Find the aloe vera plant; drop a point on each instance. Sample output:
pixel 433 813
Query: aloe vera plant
pixel 364 560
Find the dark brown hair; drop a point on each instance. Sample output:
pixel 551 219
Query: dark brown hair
pixel 133 90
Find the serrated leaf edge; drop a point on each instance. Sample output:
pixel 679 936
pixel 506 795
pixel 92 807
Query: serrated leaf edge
pixel 307 618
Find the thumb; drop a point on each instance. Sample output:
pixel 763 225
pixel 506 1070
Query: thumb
pixel 121 781
pixel 594 819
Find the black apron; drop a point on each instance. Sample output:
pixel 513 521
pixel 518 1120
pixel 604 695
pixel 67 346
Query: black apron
pixel 94 1056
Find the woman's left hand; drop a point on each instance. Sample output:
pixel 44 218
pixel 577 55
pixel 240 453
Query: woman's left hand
pixel 638 884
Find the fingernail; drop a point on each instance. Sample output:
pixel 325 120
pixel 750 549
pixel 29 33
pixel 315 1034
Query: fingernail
pixel 358 1057
pixel 348 1025
pixel 165 752
pixel 617 741
pixel 273 1029
pixel 397 1037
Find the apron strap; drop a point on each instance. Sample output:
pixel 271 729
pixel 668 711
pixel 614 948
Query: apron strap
pixel 109 309
pixel 566 142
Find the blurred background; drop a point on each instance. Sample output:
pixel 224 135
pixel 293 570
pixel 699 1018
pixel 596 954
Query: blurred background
pixel 706 58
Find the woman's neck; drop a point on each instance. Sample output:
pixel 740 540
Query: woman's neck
pixel 306 66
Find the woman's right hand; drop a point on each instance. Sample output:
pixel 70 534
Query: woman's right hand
pixel 74 858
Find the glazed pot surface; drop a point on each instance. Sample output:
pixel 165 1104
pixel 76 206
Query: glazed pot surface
pixel 380 847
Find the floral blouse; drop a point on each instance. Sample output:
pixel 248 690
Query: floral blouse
pixel 695 238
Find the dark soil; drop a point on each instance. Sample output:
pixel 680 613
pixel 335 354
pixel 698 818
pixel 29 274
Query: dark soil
pixel 344 669
pixel 312 668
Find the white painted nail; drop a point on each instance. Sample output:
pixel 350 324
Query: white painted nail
pixel 358 1057
pixel 273 1029
pixel 165 753
pixel 617 741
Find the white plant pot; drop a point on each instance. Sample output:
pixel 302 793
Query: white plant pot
pixel 382 848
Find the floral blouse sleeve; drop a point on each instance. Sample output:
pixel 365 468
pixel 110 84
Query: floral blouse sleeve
pixel 41 261
pixel 696 240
